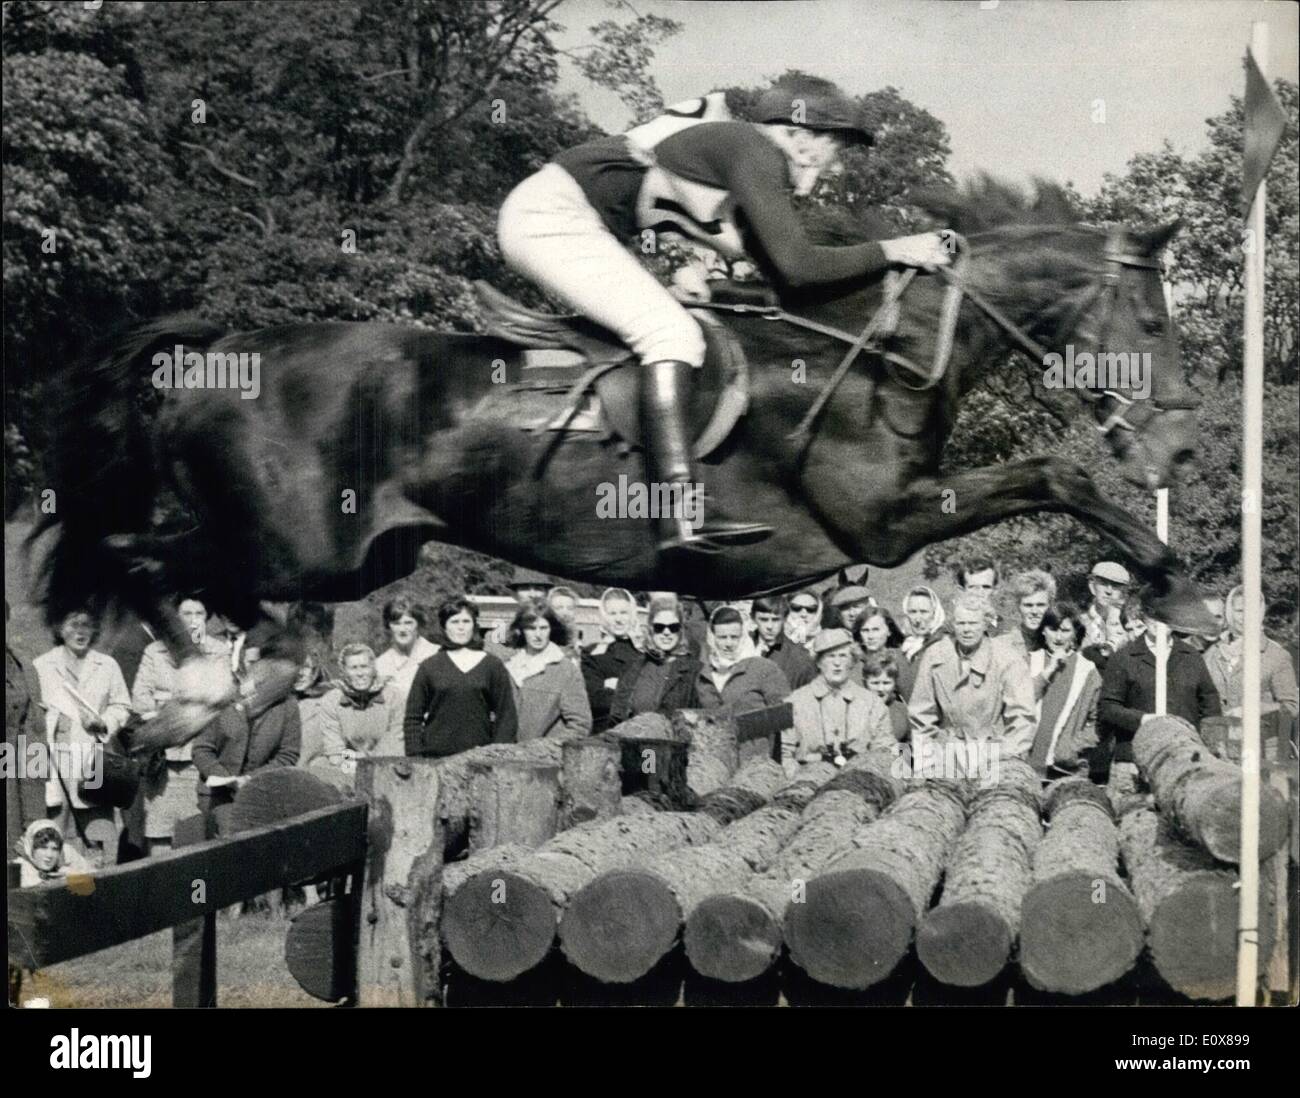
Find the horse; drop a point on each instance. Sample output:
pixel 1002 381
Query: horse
pixel 365 440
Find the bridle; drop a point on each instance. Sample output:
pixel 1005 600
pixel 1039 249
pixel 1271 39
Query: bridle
pixel 1118 258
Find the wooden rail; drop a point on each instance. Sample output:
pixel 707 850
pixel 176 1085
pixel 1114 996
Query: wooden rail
pixel 184 888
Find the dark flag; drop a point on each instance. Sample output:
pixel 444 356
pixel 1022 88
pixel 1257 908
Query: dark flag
pixel 1265 121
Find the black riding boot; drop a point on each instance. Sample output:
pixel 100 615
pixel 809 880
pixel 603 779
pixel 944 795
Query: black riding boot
pixel 669 461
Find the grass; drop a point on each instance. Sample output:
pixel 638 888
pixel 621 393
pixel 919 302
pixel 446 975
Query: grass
pixel 250 970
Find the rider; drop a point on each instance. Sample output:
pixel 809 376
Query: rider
pixel 692 171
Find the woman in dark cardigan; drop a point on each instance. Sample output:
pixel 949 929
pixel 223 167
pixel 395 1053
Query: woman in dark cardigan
pixel 663 679
pixel 461 697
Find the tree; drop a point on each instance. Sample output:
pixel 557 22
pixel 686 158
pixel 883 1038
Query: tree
pixel 1206 258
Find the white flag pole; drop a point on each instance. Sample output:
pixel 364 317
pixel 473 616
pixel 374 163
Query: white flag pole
pixel 1252 462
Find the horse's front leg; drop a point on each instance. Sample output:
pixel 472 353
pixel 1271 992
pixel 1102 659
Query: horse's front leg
pixel 938 508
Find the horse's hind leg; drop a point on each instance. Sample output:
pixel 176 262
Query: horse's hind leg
pixel 938 508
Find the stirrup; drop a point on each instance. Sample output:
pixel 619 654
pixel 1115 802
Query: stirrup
pixel 713 539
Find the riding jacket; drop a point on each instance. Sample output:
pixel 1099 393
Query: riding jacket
pixel 720 182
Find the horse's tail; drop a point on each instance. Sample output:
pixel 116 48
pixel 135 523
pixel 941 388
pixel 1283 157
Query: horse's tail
pixel 101 466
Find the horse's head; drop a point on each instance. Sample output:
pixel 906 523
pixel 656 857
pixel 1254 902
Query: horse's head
pixel 1093 300
pixel 1141 401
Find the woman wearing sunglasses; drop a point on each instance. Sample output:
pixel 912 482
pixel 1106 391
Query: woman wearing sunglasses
pixel 805 619
pixel 664 678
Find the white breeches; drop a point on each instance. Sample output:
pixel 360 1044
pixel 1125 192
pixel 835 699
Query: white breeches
pixel 550 233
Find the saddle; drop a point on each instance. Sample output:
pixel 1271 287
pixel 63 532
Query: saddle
pixel 581 378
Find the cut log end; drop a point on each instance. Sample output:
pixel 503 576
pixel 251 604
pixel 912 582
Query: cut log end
pixel 963 944
pixel 1075 937
pixel 1193 936
pixel 852 929
pixel 620 926
pixel 499 925
pixel 1221 823
pixel 731 938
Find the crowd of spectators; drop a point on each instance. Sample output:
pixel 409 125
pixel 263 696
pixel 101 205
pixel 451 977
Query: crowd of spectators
pixel 1022 674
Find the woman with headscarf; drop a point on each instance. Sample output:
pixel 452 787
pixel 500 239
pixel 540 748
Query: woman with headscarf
pixel 360 717
pixel 730 678
pixel 664 679
pixel 604 663
pixel 923 625
pixel 45 856
pixel 549 691
pixel 1223 660
pixel 86 704
pixel 805 619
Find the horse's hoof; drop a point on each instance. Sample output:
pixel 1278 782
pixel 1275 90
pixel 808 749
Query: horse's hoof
pixel 1182 608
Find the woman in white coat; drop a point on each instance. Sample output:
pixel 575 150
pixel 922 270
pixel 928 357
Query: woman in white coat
pixel 86 701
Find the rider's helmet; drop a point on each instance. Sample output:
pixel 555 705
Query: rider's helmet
pixel 815 104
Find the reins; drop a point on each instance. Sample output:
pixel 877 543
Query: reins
pixel 1117 258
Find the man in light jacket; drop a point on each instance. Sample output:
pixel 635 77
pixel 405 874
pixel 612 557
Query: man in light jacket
pixel 968 690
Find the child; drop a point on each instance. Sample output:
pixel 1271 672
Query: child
pixel 880 676
pixel 45 857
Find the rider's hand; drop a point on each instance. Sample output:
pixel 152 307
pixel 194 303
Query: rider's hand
pixel 690 284
pixel 921 250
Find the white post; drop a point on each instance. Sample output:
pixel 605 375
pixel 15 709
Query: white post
pixel 1162 532
pixel 1252 462
pixel 1162 630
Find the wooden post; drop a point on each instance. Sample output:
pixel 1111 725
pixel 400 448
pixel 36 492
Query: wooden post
pixel 512 801
pixel 590 785
pixel 658 768
pixel 714 753
pixel 399 955
pixel 194 944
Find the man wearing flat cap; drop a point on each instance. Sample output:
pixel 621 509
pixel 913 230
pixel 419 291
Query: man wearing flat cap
pixel 848 604
pixel 834 718
pixel 1103 624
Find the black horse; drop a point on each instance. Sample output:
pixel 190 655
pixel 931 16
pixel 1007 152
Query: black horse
pixel 367 440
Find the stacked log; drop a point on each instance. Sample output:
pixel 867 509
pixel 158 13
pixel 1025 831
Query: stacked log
pixel 967 938
pixel 618 927
pixel 733 933
pixel 1190 906
pixel 1080 927
pixel 1201 794
pixel 861 909
pixel 501 922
